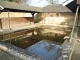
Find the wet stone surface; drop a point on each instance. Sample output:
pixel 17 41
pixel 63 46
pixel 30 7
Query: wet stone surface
pixel 65 54
pixel 18 52
pixel 14 53
pixel 6 56
pixel 45 34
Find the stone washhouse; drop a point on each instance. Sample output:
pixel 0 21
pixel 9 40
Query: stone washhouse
pixel 16 17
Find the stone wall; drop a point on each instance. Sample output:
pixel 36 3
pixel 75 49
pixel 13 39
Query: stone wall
pixel 56 19
pixel 14 14
pixel 52 19
pixel 16 22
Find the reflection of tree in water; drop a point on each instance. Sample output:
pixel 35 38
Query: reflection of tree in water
pixel 32 38
pixel 49 48
pixel 42 44
pixel 53 35
pixel 33 47
pixel 57 37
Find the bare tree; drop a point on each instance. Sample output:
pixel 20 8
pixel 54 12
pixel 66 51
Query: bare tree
pixel 51 1
pixel 22 1
pixel 17 1
pixel 8 0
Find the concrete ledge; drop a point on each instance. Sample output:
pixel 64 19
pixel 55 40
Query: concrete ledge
pixel 18 52
pixel 7 31
pixel 67 49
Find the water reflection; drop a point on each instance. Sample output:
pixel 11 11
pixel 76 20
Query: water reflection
pixel 33 36
pixel 44 49
pixel 23 42
pixel 53 34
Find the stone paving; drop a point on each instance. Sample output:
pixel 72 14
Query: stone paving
pixel 66 51
pixel 65 54
pixel 18 52
pixel 6 56
pixel 10 52
pixel 7 31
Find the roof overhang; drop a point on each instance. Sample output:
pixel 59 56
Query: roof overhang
pixel 56 8
pixel 11 6
pixel 67 2
pixel 15 7
pixel 1 8
pixel 72 6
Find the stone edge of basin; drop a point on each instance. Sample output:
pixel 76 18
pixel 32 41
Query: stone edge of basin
pixel 67 50
pixel 18 52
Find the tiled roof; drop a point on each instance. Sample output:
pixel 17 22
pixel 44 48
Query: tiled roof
pixel 56 8
pixel 17 7
pixel 26 8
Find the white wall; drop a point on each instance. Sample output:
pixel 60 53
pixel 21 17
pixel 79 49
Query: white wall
pixel 56 19
pixel 15 14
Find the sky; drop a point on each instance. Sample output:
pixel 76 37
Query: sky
pixel 42 3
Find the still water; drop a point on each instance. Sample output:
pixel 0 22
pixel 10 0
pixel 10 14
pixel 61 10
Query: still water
pixel 43 42
pixel 45 50
pixel 30 37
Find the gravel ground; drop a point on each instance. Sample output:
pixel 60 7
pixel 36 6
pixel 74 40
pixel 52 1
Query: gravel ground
pixel 6 56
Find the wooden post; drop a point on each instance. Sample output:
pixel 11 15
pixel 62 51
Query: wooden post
pixel 10 38
pixel 33 16
pixel 0 24
pixel 1 37
pixel 9 20
pixel 78 20
pixel 74 24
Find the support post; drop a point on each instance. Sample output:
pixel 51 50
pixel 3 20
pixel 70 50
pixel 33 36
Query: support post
pixel 0 24
pixel 74 24
pixel 78 20
pixel 33 16
pixel 9 20
pixel 10 38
